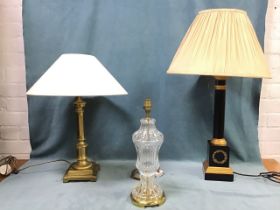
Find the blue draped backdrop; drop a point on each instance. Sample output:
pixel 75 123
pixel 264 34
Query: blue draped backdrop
pixel 136 40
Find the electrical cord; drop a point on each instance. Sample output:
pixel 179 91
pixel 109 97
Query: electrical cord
pixel 10 165
pixel 39 164
pixel 11 161
pixel 273 176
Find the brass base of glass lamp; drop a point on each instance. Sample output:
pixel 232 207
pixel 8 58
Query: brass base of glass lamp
pixel 143 203
pixel 82 169
pixel 75 173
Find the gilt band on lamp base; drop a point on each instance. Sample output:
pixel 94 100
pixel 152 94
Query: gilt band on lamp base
pixel 143 203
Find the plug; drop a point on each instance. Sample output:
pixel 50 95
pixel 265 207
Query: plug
pixel 5 169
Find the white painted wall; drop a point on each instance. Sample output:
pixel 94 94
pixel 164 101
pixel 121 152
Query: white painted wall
pixel 269 118
pixel 14 133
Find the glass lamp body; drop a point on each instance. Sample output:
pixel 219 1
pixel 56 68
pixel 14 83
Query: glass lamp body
pixel 147 141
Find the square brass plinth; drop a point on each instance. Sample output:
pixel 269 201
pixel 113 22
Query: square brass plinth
pixel 89 174
pixel 217 173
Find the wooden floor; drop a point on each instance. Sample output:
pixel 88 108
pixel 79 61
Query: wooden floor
pixel 270 165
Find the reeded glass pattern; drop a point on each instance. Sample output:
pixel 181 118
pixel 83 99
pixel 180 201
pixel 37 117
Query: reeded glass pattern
pixel 147 141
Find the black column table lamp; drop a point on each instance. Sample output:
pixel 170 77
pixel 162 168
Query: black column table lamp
pixel 220 43
pixel 78 75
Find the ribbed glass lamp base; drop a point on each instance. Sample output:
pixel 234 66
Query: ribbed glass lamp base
pixel 147 193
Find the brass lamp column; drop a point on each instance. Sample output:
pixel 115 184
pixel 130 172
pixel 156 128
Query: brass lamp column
pixel 217 165
pixel 82 169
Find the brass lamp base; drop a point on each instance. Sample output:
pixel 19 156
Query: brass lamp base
pixel 217 173
pixel 80 174
pixel 143 203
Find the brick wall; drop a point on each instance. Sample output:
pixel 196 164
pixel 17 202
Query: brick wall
pixel 14 132
pixel 269 118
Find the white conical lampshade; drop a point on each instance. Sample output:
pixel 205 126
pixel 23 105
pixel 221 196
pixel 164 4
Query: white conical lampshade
pixel 77 75
pixel 220 42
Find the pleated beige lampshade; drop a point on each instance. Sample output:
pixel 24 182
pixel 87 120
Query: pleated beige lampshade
pixel 220 42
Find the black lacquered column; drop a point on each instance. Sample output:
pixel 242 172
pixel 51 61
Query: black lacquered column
pixel 219 111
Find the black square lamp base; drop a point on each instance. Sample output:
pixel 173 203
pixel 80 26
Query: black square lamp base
pixel 217 166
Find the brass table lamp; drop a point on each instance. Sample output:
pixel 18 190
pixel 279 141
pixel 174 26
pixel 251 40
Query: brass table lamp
pixel 220 43
pixel 78 75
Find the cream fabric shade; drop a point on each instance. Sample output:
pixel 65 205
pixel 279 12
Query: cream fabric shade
pixel 77 75
pixel 220 42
